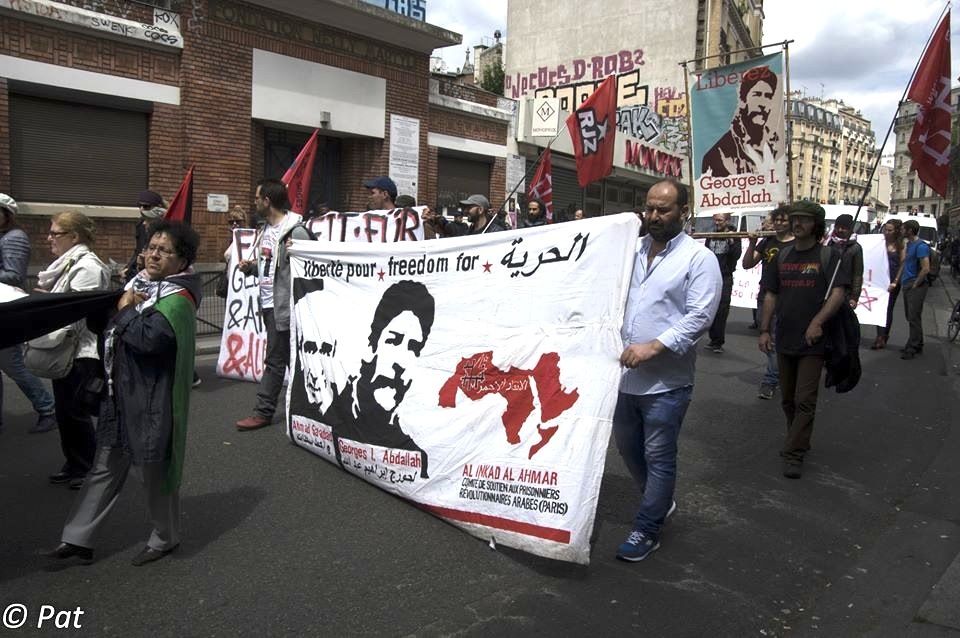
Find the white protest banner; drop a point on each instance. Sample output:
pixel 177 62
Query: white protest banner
pixel 474 376
pixel 243 344
pixel 872 308
pixel 737 112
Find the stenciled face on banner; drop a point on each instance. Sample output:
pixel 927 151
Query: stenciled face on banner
pixel 472 376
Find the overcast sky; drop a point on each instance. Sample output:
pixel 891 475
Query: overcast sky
pixel 861 51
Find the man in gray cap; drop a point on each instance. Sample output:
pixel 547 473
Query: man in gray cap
pixel 14 257
pixel 477 208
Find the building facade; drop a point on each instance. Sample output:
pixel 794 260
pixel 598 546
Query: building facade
pixel 563 50
pixel 832 151
pixel 100 100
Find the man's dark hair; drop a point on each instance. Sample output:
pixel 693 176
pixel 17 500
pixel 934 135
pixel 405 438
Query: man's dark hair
pixel 185 239
pixel 819 229
pixel 543 207
pixel 683 195
pixel 402 296
pixel 274 190
pixel 912 225
pixel 756 75
pixel 303 287
pixel 783 210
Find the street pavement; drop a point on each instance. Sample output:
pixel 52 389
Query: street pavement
pixel 280 542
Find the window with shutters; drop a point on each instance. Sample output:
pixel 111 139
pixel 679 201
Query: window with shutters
pixel 65 152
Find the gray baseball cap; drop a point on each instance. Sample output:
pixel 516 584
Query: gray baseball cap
pixel 8 203
pixel 476 200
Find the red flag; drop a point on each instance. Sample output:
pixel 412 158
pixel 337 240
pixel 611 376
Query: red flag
pixel 181 208
pixel 930 141
pixel 297 178
pixel 593 127
pixel 541 186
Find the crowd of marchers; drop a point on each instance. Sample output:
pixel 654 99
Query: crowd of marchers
pixel 135 374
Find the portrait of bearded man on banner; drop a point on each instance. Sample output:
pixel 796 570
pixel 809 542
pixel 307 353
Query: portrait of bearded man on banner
pixel 365 409
pixel 311 349
pixel 750 145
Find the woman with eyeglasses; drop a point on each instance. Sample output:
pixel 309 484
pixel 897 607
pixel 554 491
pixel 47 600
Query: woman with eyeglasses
pixel 75 269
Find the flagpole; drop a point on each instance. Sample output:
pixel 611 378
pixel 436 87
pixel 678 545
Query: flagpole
pixel 526 175
pixel 686 90
pixel 876 164
pixel 786 62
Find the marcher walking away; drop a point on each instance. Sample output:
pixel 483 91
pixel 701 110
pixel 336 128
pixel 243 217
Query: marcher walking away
pixel 844 241
pixel 148 359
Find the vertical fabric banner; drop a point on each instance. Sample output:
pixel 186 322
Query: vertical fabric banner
pixel 298 177
pixel 181 208
pixel 593 130
pixel 541 186
pixel 243 342
pixel 930 139
pixel 475 377
pixel 739 145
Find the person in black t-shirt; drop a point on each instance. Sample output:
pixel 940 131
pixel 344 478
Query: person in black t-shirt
pixel 728 254
pixel 796 285
pixel 765 252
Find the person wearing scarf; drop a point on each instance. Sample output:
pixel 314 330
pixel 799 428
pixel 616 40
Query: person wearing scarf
pixel 151 209
pixel 148 359
pixel 75 269
pixel 844 241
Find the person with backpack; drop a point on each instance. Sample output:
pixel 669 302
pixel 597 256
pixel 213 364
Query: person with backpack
pixel 797 286
pixel 914 283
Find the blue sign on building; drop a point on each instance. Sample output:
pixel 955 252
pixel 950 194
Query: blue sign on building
pixel 416 9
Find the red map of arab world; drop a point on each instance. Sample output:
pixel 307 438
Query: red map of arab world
pixel 477 377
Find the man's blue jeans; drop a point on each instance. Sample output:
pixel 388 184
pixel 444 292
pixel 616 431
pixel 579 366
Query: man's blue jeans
pixel 11 363
pixel 646 428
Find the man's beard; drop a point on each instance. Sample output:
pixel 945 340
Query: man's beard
pixel 754 130
pixel 369 383
pixel 662 232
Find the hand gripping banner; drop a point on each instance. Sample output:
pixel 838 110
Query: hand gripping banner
pixel 475 377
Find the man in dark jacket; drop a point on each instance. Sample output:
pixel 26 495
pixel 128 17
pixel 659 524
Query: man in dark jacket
pixel 478 212
pixel 536 214
pixel 151 209
pixel 728 255
pixel 148 360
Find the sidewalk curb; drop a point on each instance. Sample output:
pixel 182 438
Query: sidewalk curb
pixel 207 344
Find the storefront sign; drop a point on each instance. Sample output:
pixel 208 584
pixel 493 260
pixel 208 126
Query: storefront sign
pixel 416 9
pixel 546 117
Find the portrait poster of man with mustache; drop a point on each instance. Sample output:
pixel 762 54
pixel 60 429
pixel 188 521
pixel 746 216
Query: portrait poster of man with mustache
pixel 739 156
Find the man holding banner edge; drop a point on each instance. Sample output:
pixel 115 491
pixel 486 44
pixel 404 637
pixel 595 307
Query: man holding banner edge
pixel 674 295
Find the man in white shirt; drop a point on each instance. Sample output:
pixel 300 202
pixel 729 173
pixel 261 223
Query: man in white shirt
pixel 674 294
pixel 271 263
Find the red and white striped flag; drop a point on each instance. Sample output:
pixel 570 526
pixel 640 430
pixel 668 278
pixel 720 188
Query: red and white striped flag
pixel 541 186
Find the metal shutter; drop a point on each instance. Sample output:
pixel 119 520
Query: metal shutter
pixel 76 153
pixel 458 179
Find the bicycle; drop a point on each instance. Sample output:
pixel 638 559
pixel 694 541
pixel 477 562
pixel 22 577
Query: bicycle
pixel 953 323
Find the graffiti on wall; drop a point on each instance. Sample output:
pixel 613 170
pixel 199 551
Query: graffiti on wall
pixel 579 71
pixel 653 114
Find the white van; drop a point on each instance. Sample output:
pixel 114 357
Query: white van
pixel 742 219
pixel 862 227
pixel 928 224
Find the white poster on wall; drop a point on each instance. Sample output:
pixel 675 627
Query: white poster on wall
pixel 516 170
pixel 405 153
